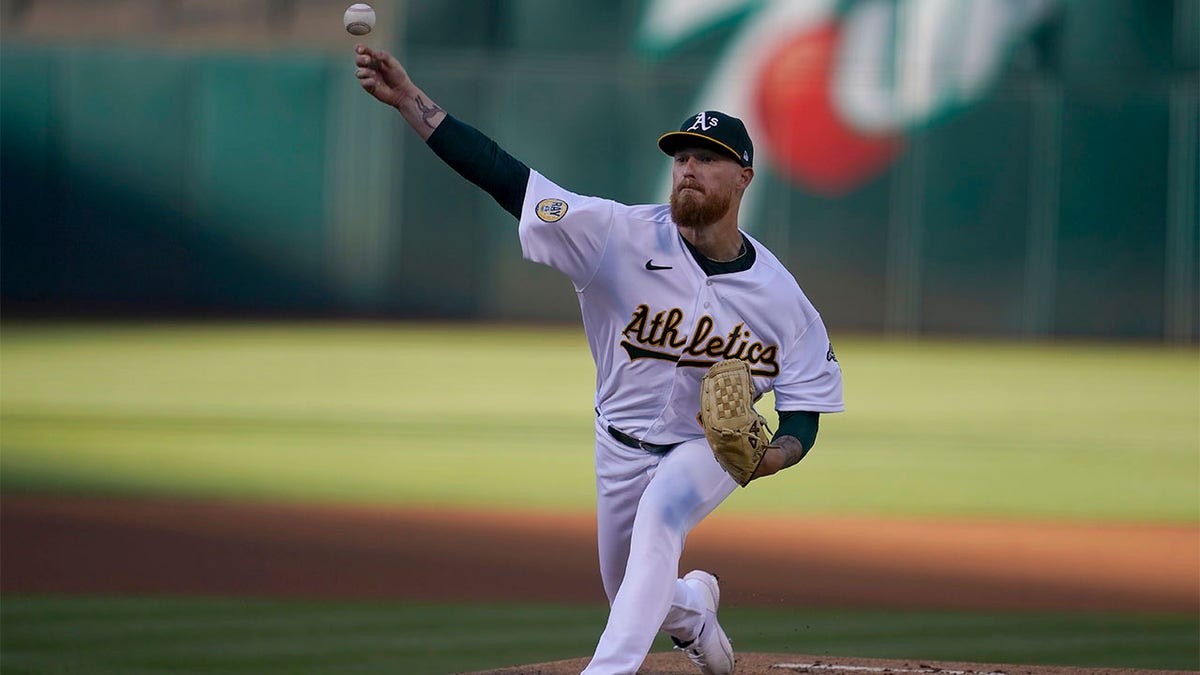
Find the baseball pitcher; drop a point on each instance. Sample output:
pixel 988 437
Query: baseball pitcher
pixel 689 321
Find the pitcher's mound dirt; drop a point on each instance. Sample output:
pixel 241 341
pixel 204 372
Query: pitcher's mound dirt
pixel 787 664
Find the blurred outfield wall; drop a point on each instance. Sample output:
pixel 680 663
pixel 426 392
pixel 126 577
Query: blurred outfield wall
pixel 219 158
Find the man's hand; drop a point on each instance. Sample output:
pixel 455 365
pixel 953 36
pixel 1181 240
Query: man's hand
pixel 382 76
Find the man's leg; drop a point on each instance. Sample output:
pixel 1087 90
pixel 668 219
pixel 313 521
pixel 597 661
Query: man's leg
pixel 685 487
pixel 622 474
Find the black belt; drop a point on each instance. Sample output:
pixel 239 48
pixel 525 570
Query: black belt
pixel 657 448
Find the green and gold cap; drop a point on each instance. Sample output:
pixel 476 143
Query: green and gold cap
pixel 724 133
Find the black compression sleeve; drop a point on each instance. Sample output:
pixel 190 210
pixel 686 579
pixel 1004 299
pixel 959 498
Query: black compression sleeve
pixel 480 160
pixel 801 424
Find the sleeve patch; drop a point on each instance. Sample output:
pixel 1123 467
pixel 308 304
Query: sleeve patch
pixel 551 210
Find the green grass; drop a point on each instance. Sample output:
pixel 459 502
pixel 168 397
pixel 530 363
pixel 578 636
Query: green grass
pixel 50 635
pixel 410 414
pixel 472 415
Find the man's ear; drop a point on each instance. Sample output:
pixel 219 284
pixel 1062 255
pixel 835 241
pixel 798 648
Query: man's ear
pixel 745 178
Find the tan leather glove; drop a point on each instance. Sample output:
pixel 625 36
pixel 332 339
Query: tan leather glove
pixel 737 434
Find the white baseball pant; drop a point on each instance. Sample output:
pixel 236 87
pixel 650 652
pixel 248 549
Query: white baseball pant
pixel 646 505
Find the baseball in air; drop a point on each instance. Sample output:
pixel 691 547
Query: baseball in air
pixel 359 19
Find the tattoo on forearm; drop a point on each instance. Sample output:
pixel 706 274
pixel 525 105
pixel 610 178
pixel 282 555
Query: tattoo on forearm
pixel 428 111
pixel 793 450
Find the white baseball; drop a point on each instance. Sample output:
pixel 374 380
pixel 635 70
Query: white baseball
pixel 359 19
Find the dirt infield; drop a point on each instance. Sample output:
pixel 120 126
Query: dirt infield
pixel 92 545
pixel 134 546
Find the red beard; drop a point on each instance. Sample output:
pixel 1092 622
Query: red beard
pixel 698 209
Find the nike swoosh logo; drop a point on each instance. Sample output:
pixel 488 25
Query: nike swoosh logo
pixel 651 266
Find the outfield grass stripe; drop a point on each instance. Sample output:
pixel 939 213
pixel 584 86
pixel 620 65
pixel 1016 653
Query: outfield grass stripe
pixel 347 413
pixel 398 426
pixel 181 635
pixel 279 637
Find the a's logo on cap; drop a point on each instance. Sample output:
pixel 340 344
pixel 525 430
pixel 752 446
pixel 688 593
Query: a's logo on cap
pixel 551 210
pixel 703 122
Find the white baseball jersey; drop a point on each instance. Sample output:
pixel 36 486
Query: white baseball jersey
pixel 656 322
